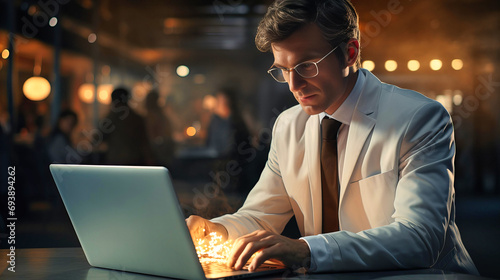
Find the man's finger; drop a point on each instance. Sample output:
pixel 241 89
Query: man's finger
pixel 262 256
pixel 238 246
pixel 248 251
pixel 251 248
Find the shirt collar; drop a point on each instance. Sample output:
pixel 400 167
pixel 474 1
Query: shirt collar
pixel 344 113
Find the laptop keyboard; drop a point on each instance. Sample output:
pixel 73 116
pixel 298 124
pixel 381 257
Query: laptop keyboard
pixel 213 252
pixel 215 267
pixel 210 267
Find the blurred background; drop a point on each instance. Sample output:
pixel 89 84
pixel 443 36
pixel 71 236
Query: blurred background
pixel 194 96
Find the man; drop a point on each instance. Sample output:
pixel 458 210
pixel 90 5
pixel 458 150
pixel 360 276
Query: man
pixel 395 160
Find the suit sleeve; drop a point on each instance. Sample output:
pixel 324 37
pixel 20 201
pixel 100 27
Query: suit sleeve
pixel 267 206
pixel 423 201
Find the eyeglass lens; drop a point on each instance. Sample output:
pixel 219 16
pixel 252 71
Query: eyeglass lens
pixel 305 69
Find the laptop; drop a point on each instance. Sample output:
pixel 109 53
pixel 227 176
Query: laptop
pixel 128 218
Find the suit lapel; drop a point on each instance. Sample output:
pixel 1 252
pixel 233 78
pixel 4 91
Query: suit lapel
pixel 362 123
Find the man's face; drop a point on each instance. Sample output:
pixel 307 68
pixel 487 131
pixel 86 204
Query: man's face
pixel 326 91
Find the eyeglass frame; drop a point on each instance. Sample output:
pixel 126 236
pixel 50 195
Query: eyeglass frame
pixel 293 68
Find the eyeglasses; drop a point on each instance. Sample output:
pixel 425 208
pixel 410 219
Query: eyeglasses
pixel 308 69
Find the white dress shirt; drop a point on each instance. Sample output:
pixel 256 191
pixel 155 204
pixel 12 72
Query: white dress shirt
pixel 344 115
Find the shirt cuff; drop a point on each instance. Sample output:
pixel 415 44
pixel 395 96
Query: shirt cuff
pixel 324 249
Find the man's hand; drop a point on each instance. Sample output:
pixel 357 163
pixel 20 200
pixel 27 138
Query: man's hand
pixel 200 228
pixel 291 252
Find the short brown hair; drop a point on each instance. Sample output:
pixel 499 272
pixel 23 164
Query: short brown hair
pixel 337 20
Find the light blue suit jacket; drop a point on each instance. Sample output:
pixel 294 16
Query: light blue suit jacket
pixel 397 200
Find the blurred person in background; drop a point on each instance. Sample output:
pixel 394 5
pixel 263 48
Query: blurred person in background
pixel 226 132
pixel 126 142
pixel 159 130
pixel 59 142
pixel 227 129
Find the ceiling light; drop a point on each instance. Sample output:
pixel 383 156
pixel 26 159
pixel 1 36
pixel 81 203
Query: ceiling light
pixel 36 88
pixel 391 65
pixel 368 65
pixel 413 65
pixel 436 64
pixel 457 64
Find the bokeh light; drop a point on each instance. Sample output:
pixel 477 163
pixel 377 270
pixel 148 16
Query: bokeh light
pixel 182 71
pixel 413 65
pixel 36 88
pixel 5 54
pixel 436 64
pixel 457 97
pixel 368 65
pixel 190 131
pixel 32 10
pixel 457 64
pixel 209 102
pixel 391 65
pixel 104 93
pixel 53 21
pixel 446 101
pixel 92 38
pixel 86 93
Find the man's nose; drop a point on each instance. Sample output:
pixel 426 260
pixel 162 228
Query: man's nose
pixel 295 81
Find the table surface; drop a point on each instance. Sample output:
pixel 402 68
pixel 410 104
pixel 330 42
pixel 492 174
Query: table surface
pixel 70 263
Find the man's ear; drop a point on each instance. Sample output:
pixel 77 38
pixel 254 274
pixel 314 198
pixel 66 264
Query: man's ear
pixel 352 52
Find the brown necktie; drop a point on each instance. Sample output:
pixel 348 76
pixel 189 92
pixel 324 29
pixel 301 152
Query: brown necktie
pixel 329 174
